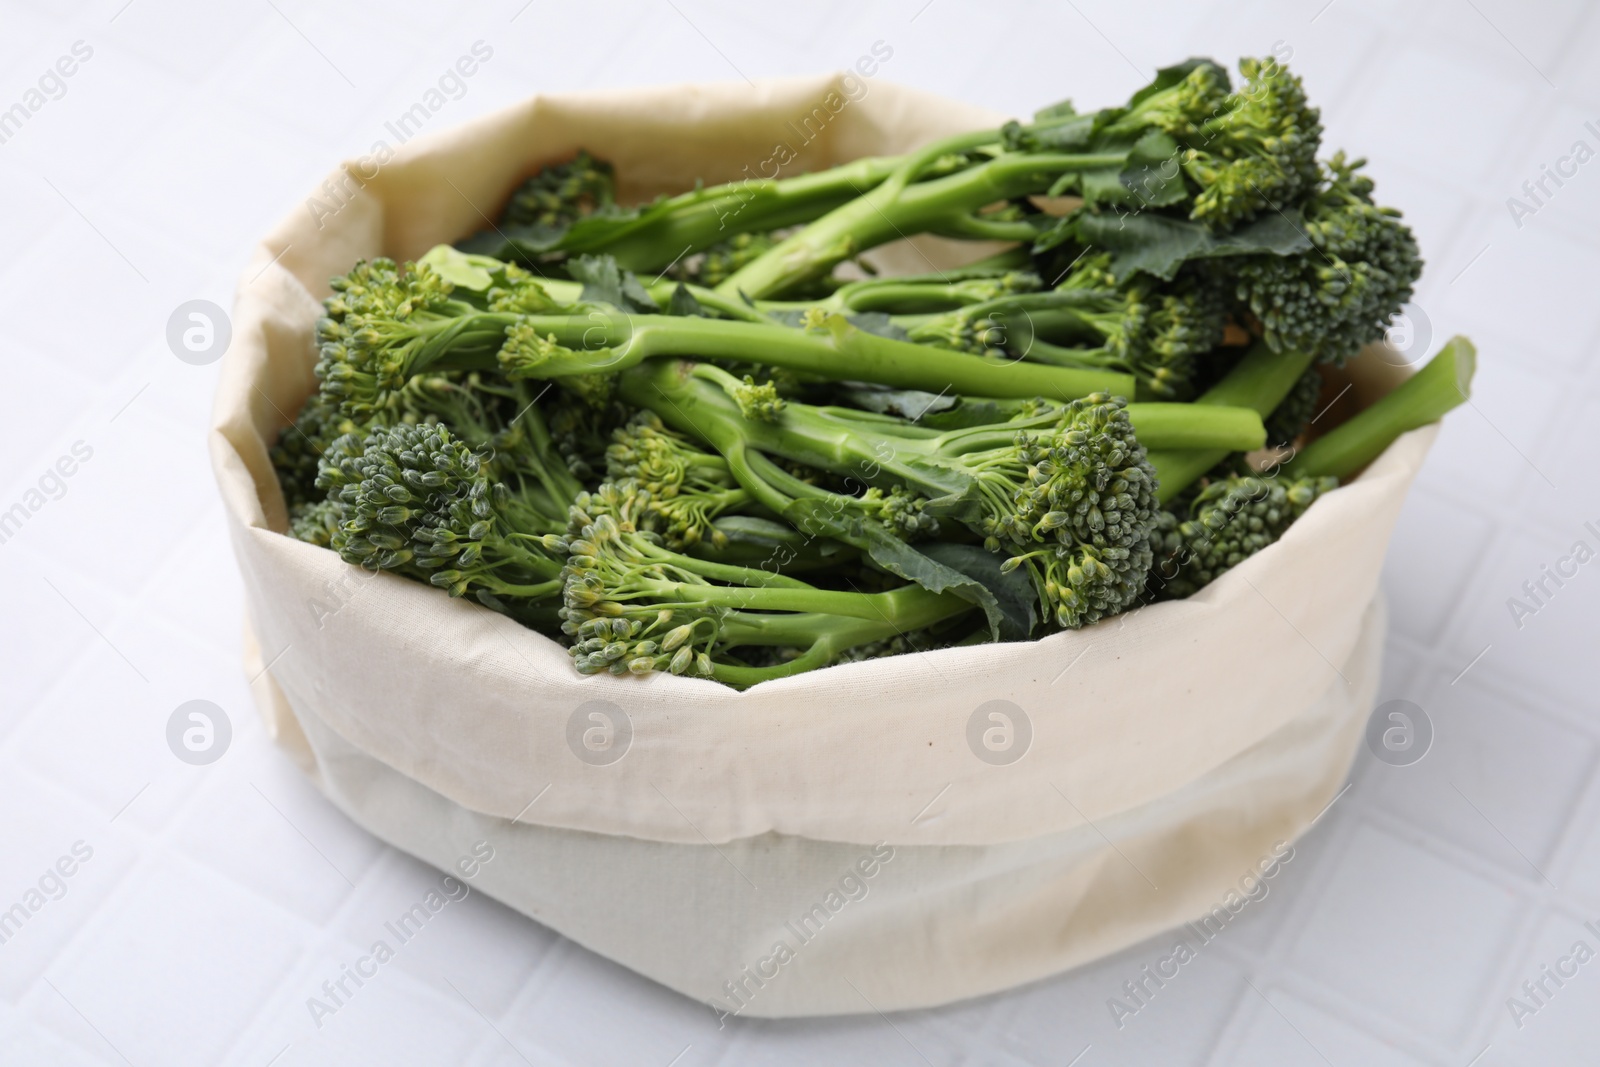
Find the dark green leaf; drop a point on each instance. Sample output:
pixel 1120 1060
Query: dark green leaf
pixel 1062 110
pixel 1167 77
pixel 684 303
pixel 606 283
pixel 910 404
pixel 1159 244
pixel 897 557
pixel 1014 592
pixel 969 411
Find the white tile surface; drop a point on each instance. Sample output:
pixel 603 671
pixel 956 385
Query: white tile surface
pixel 219 899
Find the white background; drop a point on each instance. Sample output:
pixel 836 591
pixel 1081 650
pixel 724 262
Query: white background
pixel 219 898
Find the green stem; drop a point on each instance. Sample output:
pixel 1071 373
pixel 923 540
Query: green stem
pixel 607 343
pixel 1425 397
pixel 824 636
pixel 1259 382
pixel 533 592
pixel 891 211
pixel 811 436
pixel 978 228
pixel 697 220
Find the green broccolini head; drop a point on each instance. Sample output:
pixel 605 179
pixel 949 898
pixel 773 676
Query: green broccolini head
pixel 521 293
pixel 717 263
pixel 581 434
pixel 1074 503
pixel 615 582
pixel 1181 109
pixel 1258 152
pixel 1229 521
pixel 903 511
pixel 315 521
pixel 562 194
pixel 1340 295
pixel 1164 328
pixel 759 401
pixel 416 499
pixel 1152 329
pixel 663 461
pixel 372 326
pixel 682 489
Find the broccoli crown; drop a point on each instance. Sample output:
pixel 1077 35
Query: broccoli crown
pixel 1229 521
pixel 1075 506
pixel 1340 295
pixel 384 323
pixel 682 490
pixel 757 400
pixel 366 326
pixel 903 511
pixel 1258 152
pixel 1159 331
pixel 315 521
pixel 1182 109
pixel 415 497
pixel 1154 330
pixel 1290 418
pixel 717 263
pixel 614 587
pixel 560 195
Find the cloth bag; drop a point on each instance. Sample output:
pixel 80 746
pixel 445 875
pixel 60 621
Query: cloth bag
pixel 882 835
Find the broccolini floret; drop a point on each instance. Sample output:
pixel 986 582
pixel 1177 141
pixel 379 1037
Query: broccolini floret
pixel 559 195
pixel 1229 521
pixel 632 606
pixel 1339 296
pixel 1061 489
pixel 416 499
pixel 1150 329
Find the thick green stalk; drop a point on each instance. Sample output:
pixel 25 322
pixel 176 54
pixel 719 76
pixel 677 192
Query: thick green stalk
pixel 824 636
pixel 1259 382
pixel 1425 397
pixel 697 220
pixel 890 212
pixel 845 446
pixel 607 343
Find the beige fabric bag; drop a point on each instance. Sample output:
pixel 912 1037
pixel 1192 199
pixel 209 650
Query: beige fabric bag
pixel 688 830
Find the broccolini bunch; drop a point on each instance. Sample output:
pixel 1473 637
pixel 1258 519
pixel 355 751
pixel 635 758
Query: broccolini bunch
pixel 673 438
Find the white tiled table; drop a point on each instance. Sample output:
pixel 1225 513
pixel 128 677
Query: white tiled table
pixel 217 899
